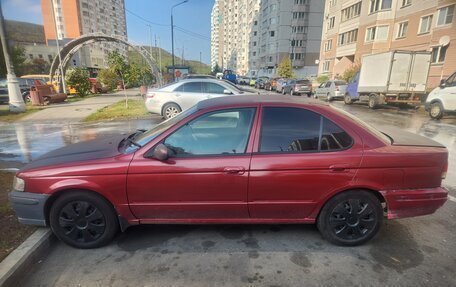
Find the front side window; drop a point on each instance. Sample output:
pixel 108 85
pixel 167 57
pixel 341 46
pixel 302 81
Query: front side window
pixel 300 130
pixel 451 81
pixel 217 133
pixel 212 88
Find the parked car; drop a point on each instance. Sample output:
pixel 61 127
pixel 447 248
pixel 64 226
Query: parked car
pixel 442 99
pixel 271 84
pixel 229 75
pixel 252 82
pixel 280 84
pixel 298 87
pixel 172 99
pixel 218 162
pixel 331 90
pixel 259 83
pixel 24 85
pixel 241 80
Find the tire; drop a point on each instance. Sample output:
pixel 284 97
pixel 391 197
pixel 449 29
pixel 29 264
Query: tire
pixel 27 98
pixel 171 110
pixel 46 100
pixel 348 100
pixel 373 102
pixel 328 97
pixel 339 224
pixel 83 220
pixel 436 111
pixel 309 95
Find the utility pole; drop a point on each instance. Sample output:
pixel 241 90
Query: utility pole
pixel 172 35
pixel 62 76
pixel 155 48
pixel 16 102
pixel 159 55
pixel 182 60
pixel 201 63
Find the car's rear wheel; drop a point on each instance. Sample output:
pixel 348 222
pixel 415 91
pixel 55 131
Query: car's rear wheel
pixel 83 219
pixel 348 100
pixel 436 111
pixel 171 110
pixel 350 218
pixel 27 98
pixel 373 102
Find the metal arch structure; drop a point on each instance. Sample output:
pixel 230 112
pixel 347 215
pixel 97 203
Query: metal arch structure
pixel 74 45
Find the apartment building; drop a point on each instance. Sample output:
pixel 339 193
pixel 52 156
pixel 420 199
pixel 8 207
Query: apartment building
pixel 287 29
pixel 252 37
pixel 74 18
pixel 353 28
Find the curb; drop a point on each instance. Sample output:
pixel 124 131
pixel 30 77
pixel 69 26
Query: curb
pixel 15 265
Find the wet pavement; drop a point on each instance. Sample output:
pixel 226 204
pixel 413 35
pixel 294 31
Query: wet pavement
pixel 409 252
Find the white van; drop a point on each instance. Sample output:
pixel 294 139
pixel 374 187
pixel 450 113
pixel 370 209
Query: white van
pixel 442 100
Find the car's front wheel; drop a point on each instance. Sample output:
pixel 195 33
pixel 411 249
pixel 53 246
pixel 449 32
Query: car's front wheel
pixel 83 219
pixel 348 100
pixel 171 110
pixel 350 218
pixel 436 111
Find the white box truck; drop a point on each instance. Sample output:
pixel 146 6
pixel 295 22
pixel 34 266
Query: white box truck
pixel 396 77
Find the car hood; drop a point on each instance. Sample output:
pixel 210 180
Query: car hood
pixel 400 137
pixel 103 147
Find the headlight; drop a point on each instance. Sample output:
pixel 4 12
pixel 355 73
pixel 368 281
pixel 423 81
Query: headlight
pixel 18 184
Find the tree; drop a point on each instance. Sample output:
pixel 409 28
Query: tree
pixel 18 58
pixel 108 78
pixel 36 66
pixel 322 78
pixel 118 65
pixel 78 78
pixel 285 70
pixel 350 73
pixel 216 69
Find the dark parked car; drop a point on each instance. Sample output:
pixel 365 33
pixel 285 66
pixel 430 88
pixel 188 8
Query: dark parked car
pixel 243 159
pixel 259 83
pixel 24 86
pixel 298 87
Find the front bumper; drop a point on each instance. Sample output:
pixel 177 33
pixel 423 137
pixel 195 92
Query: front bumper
pixel 29 207
pixel 414 202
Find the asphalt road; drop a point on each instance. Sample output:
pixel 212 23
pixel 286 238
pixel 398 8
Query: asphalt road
pixel 408 252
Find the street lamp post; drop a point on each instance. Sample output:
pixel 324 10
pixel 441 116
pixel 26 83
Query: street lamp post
pixel 16 102
pixel 172 34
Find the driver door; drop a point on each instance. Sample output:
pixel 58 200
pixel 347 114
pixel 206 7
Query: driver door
pixel 206 175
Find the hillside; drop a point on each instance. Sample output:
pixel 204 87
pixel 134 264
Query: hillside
pixel 195 66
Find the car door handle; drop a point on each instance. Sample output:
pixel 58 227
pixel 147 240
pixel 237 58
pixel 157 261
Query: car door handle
pixel 234 170
pixel 339 167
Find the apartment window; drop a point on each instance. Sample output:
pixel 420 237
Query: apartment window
pixel 254 33
pixel 254 53
pixel 299 29
pixel 31 56
pixel 254 44
pixel 378 33
pixel 425 24
pixel 255 23
pixel 270 58
pixel 273 7
pixel 326 66
pixel 332 3
pixel 347 37
pixel 297 43
pixel 378 5
pixel 438 54
pixel 402 30
pixel 50 58
pixel 299 15
pixel 85 5
pixel 445 15
pixel 351 12
pixel 85 13
pixel 331 22
pixel 300 2
pixel 40 56
pixel 406 3
pixel 273 21
pixel 328 45
pixel 272 33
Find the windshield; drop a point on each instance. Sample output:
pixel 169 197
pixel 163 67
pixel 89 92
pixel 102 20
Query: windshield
pixel 143 138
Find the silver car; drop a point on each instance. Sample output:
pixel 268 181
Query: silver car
pixel 172 99
pixel 331 90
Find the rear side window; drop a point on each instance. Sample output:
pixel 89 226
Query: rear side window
pixel 193 87
pixel 300 130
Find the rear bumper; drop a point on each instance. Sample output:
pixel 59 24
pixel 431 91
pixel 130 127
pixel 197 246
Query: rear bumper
pixel 29 207
pixel 414 202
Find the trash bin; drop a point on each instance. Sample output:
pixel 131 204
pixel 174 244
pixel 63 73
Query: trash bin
pixel 37 99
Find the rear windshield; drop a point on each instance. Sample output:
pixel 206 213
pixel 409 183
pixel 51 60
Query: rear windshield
pixel 340 83
pixel 303 82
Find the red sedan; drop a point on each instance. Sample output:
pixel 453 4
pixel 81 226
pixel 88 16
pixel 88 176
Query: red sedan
pixel 243 159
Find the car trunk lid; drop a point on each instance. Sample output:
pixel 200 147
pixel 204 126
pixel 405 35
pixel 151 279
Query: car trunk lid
pixel 403 138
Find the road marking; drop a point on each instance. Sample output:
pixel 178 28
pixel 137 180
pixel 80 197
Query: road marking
pixel 452 198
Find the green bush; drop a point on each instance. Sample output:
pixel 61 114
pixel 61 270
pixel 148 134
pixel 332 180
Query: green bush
pixel 78 78
pixel 285 70
pixel 350 73
pixel 108 78
pixel 322 78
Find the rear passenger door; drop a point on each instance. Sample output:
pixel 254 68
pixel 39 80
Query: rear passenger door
pixel 301 158
pixel 189 94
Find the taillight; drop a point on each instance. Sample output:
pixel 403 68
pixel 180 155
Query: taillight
pixel 150 95
pixel 444 171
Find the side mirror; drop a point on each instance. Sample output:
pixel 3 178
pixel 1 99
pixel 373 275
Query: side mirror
pixel 227 92
pixel 160 152
pixel 442 83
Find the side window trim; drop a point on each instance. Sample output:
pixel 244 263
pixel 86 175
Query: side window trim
pixel 322 118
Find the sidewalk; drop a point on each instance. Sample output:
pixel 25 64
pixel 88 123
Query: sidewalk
pixel 78 111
